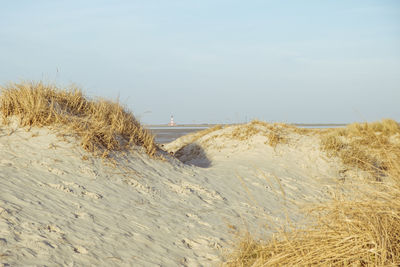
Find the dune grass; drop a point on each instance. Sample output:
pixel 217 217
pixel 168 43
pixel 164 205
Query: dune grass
pixel 365 145
pixel 346 233
pixel 275 132
pixel 195 143
pixel 191 139
pixel 102 126
pixel 361 231
pixel 196 136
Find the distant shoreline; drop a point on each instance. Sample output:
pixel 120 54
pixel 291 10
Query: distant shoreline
pixel 202 125
pixel 165 133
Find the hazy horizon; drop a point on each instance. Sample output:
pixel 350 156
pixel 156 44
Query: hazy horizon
pixel 214 61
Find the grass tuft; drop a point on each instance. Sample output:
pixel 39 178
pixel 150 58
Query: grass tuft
pixel 365 145
pixel 346 233
pixel 275 132
pixel 102 126
pixel 361 231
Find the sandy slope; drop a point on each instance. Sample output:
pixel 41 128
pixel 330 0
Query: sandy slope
pixel 58 208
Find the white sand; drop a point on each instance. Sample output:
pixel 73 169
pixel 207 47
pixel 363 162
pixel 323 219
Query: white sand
pixel 58 209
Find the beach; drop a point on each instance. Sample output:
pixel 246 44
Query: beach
pixel 83 183
pixel 59 205
pixel 200 133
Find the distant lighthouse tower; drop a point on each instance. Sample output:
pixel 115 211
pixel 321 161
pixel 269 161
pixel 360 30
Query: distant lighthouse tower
pixel 172 123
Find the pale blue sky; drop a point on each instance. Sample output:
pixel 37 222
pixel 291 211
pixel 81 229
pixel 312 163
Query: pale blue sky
pixel 214 61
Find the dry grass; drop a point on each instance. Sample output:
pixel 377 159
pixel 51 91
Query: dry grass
pixel 275 132
pixel 102 126
pixel 355 233
pixel 202 133
pixel 190 139
pixel 365 145
pixel 361 231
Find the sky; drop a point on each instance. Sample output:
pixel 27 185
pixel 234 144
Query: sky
pixel 213 61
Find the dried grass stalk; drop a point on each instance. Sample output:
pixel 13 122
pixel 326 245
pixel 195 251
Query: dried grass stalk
pixel 347 233
pixel 365 145
pixel 102 126
pixel 363 231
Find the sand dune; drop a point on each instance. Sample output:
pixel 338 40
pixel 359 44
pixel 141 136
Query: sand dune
pixel 59 205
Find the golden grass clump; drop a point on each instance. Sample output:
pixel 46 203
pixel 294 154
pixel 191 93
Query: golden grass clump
pixel 347 233
pixel 365 145
pixel 202 133
pixel 102 126
pixel 192 138
pixel 276 132
pixel 358 230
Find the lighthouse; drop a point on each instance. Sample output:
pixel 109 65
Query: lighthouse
pixel 171 122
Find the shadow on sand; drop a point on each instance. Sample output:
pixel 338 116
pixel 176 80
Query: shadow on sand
pixel 193 154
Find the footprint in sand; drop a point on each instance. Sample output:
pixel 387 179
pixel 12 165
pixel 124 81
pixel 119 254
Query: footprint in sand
pixel 76 189
pixel 61 187
pixel 85 170
pixel 53 228
pixel 91 195
pixel 206 195
pixel 83 190
pixel 56 171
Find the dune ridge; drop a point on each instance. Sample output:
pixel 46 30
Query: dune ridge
pixel 101 125
pixel 360 227
pixel 61 203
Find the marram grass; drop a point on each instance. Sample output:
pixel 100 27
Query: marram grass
pixel 102 126
pixel 361 231
pixel 372 147
pixel 365 232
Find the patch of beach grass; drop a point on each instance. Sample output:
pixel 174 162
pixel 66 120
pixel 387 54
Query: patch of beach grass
pixel 365 232
pixel 361 229
pixel 365 145
pixel 192 138
pixel 102 126
pixel 275 132
pixel 219 137
pixel 205 132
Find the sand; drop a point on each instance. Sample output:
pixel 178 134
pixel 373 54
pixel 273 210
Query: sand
pixel 61 206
